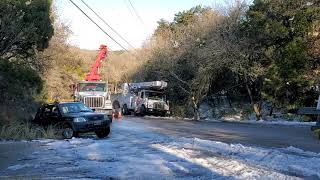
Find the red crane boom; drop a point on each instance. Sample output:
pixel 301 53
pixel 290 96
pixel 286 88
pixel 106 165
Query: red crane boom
pixel 94 74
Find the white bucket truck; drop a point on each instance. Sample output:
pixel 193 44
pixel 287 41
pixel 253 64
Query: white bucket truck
pixel 143 98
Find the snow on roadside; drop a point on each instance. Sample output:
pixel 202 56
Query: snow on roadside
pixel 284 122
pixel 292 160
pixel 274 121
pixel 20 166
pixel 237 118
pixel 207 114
pixel 169 118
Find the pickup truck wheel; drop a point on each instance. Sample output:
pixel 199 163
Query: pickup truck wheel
pixel 67 132
pixel 102 133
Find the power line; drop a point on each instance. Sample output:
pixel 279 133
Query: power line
pixel 98 25
pixel 128 7
pixel 106 23
pixel 136 12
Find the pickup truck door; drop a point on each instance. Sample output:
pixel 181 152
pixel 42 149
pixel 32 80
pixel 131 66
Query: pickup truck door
pixel 50 115
pixel 55 114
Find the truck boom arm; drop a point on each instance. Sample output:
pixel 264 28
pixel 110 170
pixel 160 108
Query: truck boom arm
pixel 153 85
pixel 94 74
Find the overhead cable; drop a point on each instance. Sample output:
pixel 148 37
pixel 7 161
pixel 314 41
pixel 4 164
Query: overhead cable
pixel 107 24
pixel 98 26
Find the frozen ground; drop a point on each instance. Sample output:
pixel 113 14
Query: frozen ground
pixel 273 121
pixel 206 112
pixel 135 150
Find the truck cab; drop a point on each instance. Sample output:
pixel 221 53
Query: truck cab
pixel 94 94
pixel 151 102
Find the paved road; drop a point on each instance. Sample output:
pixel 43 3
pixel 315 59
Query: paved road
pixel 143 148
pixel 13 152
pixel 233 132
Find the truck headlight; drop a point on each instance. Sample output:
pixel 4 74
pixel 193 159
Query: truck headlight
pixel 79 119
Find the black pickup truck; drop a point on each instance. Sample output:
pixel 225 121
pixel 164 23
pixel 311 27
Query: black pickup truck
pixel 73 118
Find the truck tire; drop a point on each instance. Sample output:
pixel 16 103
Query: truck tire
pixel 163 114
pixel 115 104
pixel 142 111
pixel 125 110
pixel 67 132
pixel 102 133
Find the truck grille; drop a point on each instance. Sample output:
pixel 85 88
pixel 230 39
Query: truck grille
pixel 95 117
pixel 93 102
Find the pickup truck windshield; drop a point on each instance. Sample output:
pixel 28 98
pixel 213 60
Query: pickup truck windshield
pixel 83 87
pixel 155 95
pixel 74 108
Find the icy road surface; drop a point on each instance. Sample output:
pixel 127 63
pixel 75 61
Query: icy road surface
pixel 136 149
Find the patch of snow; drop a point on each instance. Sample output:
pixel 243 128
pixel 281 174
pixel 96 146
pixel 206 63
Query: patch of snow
pixel 232 118
pixel 276 121
pixel 169 118
pixel 283 122
pixel 21 166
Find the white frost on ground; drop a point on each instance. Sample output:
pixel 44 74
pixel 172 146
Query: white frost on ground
pixel 20 166
pixel 292 160
pixel 135 152
pixel 207 114
pixel 169 118
pixel 276 121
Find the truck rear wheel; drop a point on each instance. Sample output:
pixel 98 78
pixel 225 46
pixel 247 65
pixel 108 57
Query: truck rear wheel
pixel 142 111
pixel 125 110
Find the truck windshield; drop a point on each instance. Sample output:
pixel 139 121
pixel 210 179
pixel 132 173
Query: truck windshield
pixel 83 87
pixel 155 95
pixel 74 108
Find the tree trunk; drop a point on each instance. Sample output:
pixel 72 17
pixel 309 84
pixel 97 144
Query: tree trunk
pixel 271 110
pixel 249 93
pixel 256 105
pixel 257 110
pixel 196 112
pixel 196 116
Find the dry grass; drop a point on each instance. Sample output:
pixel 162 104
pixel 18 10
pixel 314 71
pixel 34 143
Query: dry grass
pixel 18 130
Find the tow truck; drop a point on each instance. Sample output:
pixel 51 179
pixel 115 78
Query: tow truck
pixel 92 91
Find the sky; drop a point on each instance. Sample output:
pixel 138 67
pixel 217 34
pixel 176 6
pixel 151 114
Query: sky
pixel 120 15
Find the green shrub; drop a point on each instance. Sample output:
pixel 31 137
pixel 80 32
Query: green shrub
pixel 289 116
pixel 229 112
pixel 247 111
pixel 21 82
pixel 306 118
pixel 178 111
